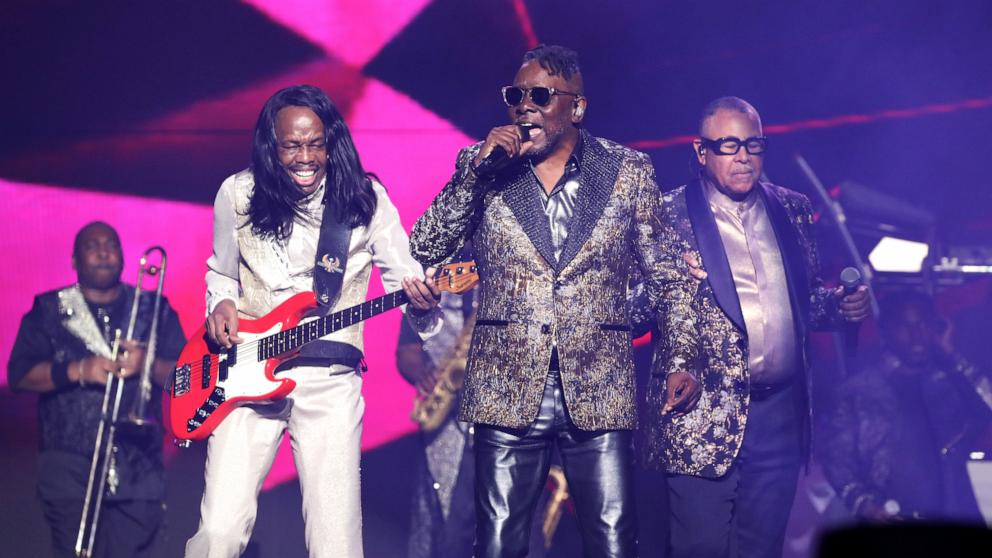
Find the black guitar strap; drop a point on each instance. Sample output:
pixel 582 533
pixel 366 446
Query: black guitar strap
pixel 332 256
pixel 328 276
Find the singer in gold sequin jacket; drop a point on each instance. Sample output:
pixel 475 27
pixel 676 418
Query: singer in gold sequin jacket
pixel 529 301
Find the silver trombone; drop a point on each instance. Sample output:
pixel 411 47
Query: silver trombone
pixel 104 448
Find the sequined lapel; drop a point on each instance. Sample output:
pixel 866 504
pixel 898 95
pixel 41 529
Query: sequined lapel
pixel 600 169
pixel 792 254
pixel 521 196
pixel 78 320
pixel 719 276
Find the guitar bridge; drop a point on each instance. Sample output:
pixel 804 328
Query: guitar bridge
pixel 180 380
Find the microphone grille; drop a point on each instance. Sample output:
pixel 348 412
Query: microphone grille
pixel 850 277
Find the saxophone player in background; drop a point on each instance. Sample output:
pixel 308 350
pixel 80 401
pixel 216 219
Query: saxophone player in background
pixel 443 507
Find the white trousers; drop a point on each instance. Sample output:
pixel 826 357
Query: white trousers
pixel 324 417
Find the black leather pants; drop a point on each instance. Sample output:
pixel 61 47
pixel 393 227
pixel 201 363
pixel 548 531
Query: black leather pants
pixel 511 468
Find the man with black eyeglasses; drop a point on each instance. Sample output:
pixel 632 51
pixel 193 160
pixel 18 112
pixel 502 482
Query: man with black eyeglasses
pixel 558 220
pixel 738 326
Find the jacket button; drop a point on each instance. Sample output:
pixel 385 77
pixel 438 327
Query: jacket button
pixel 545 328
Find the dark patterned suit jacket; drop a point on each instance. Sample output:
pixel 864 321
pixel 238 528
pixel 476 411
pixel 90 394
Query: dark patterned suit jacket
pixel 702 329
pixel 528 301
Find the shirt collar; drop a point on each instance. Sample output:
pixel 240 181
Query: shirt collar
pixel 576 156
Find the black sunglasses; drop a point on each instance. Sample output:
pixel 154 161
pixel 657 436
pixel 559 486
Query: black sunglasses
pixel 730 145
pixel 541 96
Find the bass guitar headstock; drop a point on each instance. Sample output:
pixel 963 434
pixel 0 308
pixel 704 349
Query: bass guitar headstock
pixel 457 277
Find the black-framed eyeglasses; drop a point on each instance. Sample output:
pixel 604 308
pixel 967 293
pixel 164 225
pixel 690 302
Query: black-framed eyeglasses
pixel 541 96
pixel 730 145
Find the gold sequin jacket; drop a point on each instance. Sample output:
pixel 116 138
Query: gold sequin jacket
pixel 529 301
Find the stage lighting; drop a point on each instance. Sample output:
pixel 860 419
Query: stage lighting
pixel 896 237
pixel 901 240
pixel 898 255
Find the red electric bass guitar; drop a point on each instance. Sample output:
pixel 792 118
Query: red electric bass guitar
pixel 210 381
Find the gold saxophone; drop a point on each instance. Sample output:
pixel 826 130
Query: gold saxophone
pixel 429 411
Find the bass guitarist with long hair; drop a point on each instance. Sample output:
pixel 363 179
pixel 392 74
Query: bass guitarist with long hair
pixel 305 216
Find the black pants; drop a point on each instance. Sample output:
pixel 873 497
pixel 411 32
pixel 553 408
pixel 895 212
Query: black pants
pixel 511 468
pixel 127 528
pixel 744 513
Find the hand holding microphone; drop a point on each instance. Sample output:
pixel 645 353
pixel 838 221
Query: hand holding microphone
pixel 855 303
pixel 503 145
pixel 855 306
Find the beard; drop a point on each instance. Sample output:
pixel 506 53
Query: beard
pixel 552 138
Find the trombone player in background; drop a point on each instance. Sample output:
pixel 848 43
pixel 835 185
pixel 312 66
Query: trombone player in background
pixel 58 355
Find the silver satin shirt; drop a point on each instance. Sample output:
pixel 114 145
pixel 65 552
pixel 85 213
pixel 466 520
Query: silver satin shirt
pixel 759 275
pixel 559 205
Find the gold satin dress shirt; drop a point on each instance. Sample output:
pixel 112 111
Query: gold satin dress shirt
pixel 759 276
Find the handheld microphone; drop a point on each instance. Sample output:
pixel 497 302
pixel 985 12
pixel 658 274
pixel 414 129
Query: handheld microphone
pixel 850 280
pixel 498 156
